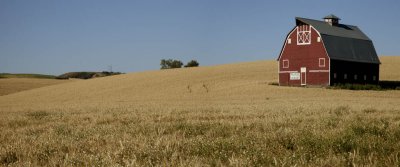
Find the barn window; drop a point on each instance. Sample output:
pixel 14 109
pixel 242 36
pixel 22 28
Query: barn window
pixel 365 77
pixel 374 78
pixel 289 41
pixel 303 35
pixel 355 77
pixel 285 63
pixel 319 39
pixel 345 76
pixel 321 62
pixel 334 75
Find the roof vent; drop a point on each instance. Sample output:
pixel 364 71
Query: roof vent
pixel 332 20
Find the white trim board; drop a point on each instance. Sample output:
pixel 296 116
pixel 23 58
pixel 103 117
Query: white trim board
pixel 319 62
pixel 318 71
pixel 282 72
pixel 283 48
pixel 303 70
pixel 287 64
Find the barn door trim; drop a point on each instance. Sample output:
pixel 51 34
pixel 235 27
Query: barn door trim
pixel 303 78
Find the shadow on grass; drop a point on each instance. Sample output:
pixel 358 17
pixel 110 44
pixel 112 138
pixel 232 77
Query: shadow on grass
pixel 383 85
pixel 390 85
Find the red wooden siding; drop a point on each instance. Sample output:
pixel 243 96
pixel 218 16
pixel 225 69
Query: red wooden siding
pixel 304 56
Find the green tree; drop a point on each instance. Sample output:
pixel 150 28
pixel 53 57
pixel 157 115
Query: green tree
pixel 192 63
pixel 170 63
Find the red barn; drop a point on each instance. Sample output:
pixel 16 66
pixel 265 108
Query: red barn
pixel 325 53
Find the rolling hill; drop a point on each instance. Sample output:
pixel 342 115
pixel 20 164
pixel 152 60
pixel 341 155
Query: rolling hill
pixel 245 83
pixel 225 115
pixel 13 85
pixel 37 76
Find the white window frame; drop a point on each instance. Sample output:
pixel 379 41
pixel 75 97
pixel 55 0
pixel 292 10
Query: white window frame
pixel 304 34
pixel 283 63
pixel 289 41
pixel 319 39
pixel 319 62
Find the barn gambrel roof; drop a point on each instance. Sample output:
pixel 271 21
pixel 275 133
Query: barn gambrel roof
pixel 344 42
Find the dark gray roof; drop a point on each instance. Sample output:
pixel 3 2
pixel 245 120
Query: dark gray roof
pixel 331 16
pixel 344 42
pixel 350 49
pixel 340 30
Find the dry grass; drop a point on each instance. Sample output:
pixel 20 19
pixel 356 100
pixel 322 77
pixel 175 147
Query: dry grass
pixel 13 85
pixel 390 64
pixel 226 115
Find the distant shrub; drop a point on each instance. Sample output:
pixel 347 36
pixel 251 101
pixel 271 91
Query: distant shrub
pixel 170 63
pixel 192 63
pixel 80 75
pixel 86 75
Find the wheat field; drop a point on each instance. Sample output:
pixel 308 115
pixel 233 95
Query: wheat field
pixel 225 115
pixel 13 85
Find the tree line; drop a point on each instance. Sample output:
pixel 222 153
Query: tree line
pixel 171 63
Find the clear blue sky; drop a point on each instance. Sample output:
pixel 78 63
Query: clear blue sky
pixel 54 36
